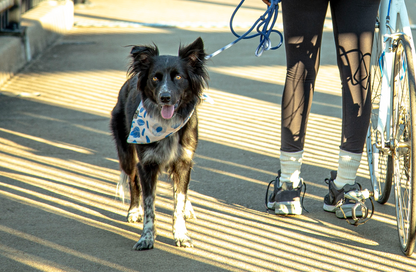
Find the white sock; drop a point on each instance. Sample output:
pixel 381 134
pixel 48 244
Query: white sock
pixel 290 164
pixel 348 164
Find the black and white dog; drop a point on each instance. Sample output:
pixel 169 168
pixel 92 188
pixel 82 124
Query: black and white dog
pixel 155 128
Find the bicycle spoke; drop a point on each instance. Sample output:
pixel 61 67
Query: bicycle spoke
pixel 403 132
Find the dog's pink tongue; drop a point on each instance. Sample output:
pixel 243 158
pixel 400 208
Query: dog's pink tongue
pixel 167 111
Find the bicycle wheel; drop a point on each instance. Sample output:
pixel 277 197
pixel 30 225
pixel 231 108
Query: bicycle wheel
pixel 404 135
pixel 380 163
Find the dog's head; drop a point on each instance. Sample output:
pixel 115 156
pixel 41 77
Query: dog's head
pixel 170 84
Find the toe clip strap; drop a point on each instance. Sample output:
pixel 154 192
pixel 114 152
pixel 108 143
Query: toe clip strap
pixel 360 198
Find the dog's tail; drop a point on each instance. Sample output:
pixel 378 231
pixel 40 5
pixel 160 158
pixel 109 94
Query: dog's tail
pixel 123 188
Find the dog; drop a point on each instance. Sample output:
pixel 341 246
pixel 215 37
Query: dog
pixel 155 129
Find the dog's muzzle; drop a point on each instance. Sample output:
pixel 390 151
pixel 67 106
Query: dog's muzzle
pixel 167 109
pixel 165 97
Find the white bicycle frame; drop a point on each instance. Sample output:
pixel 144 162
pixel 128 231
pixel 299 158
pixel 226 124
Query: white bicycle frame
pixel 395 26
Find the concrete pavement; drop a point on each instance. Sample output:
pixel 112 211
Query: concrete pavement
pixel 41 26
pixel 59 169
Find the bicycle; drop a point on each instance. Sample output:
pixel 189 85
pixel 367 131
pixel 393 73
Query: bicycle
pixel 391 137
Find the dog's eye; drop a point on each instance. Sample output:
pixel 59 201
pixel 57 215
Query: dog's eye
pixel 155 79
pixel 178 77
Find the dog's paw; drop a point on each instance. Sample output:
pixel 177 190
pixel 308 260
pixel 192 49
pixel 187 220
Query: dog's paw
pixel 145 242
pixel 189 211
pixel 135 215
pixel 183 241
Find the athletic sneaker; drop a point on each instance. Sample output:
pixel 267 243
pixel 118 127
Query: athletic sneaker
pixel 335 196
pixel 285 200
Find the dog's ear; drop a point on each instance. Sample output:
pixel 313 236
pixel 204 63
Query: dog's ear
pixel 194 53
pixel 142 54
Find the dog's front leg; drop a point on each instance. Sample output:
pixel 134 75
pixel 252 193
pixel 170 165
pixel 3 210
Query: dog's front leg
pixel 148 179
pixel 189 210
pixel 181 178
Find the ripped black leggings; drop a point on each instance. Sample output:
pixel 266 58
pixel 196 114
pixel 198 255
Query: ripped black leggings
pixel 353 27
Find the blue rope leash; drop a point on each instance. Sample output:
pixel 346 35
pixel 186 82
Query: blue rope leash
pixel 262 28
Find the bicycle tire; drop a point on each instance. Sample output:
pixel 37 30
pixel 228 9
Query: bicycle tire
pixel 380 163
pixel 404 135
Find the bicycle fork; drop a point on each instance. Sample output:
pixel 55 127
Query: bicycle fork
pixel 384 142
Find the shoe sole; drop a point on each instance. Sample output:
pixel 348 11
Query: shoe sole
pixel 288 208
pixel 346 208
pixel 329 208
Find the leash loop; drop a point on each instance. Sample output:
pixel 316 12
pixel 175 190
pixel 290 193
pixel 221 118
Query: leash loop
pixel 262 27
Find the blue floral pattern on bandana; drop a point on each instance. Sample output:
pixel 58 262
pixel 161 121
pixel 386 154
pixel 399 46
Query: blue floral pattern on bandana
pixel 145 129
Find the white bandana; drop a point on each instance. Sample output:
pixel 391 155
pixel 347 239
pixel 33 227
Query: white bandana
pixel 145 129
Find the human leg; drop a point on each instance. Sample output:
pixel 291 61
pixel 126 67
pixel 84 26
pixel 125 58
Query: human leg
pixel 353 22
pixel 302 42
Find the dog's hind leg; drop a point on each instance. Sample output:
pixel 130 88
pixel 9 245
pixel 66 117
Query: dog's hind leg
pixel 128 161
pixel 135 213
pixel 181 176
pixel 148 180
pixel 127 190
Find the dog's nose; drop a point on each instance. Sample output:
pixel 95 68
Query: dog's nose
pixel 165 97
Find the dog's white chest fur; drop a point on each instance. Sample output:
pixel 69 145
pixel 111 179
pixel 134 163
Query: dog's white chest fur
pixel 165 151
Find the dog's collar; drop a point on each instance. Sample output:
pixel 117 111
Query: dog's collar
pixel 145 129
